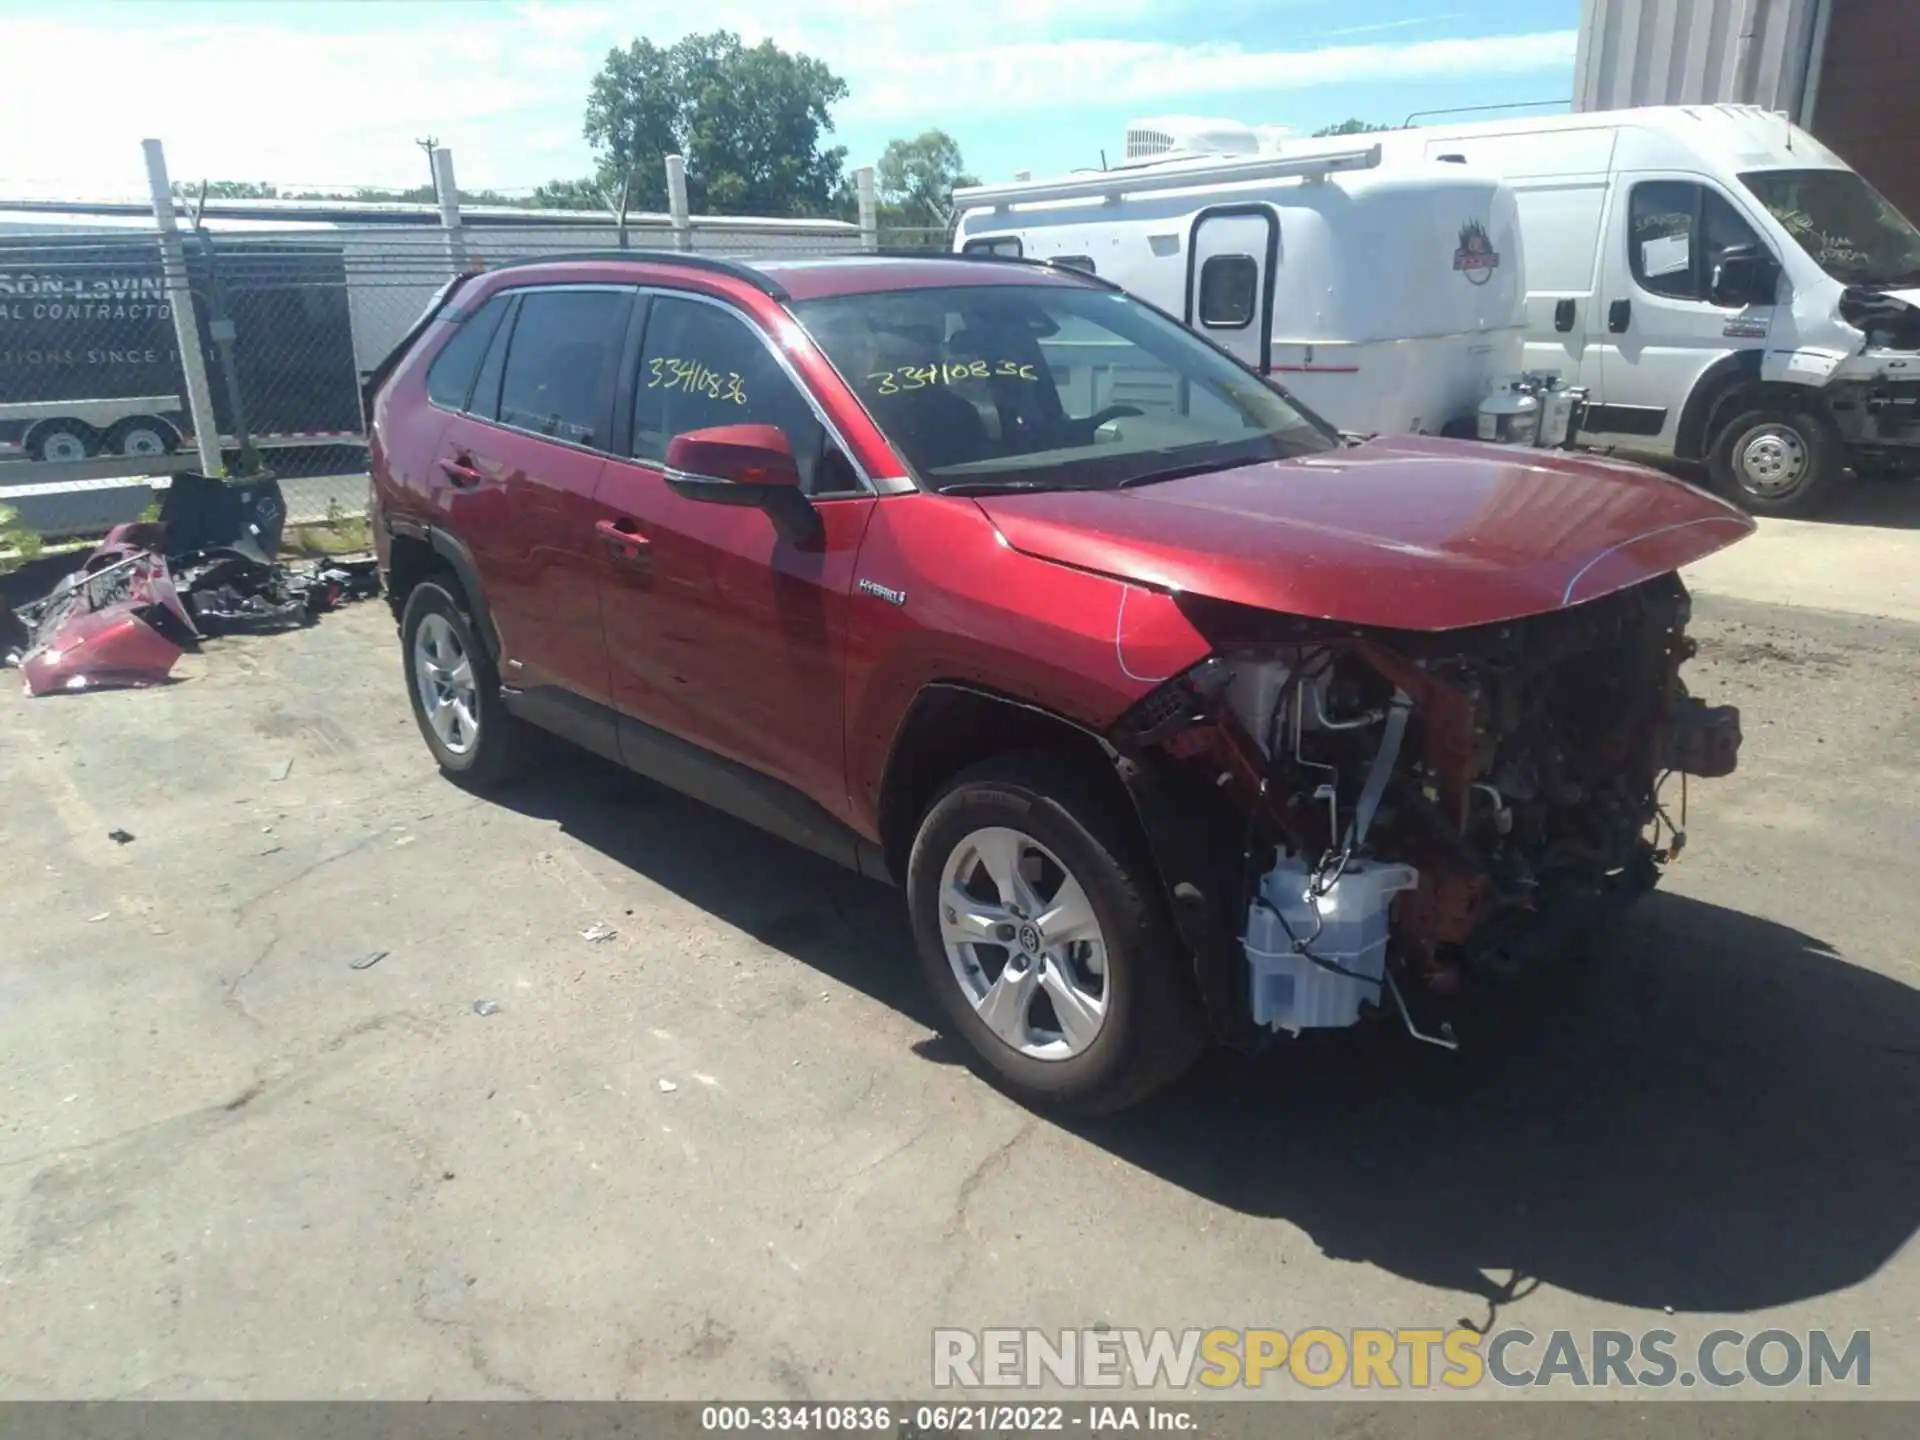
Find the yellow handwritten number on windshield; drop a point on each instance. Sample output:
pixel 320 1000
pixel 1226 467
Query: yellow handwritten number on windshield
pixel 918 377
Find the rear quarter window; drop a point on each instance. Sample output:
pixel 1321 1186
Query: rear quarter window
pixel 450 376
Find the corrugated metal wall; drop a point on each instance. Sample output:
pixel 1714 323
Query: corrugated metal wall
pixel 1865 104
pixel 1686 52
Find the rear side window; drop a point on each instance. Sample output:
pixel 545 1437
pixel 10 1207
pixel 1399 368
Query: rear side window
pixel 450 377
pixel 702 366
pixel 1228 287
pixel 560 363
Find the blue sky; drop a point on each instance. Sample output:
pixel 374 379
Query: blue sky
pixel 304 92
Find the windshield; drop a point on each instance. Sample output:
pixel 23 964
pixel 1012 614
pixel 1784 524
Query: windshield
pixel 1027 387
pixel 1851 232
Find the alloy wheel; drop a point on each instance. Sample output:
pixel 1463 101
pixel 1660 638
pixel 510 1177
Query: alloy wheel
pixel 1024 944
pixel 443 676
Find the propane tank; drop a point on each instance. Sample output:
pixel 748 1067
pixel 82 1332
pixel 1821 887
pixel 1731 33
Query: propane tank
pixel 1511 414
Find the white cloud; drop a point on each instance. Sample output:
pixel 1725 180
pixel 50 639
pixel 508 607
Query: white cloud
pixel 265 96
pixel 1071 72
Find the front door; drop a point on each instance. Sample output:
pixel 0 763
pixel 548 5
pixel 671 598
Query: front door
pixel 1657 327
pixel 1230 264
pixel 719 630
pixel 521 466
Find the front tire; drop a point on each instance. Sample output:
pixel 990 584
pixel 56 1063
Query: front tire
pixel 455 690
pixel 1042 930
pixel 1776 460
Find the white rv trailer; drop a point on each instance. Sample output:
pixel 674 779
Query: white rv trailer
pixel 1723 286
pixel 1386 299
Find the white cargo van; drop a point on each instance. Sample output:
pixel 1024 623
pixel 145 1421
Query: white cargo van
pixel 1386 300
pixel 1721 284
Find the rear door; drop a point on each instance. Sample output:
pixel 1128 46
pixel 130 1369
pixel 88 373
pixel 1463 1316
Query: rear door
pixel 1230 262
pixel 518 469
pixel 1658 328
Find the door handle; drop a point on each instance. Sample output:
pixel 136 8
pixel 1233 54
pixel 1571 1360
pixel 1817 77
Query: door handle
pixel 460 470
pixel 1563 316
pixel 623 537
pixel 1619 313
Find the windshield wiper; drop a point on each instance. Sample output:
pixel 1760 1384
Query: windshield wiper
pixel 996 487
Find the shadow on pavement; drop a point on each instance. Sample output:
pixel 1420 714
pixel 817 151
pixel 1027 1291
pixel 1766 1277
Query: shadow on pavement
pixel 1718 1115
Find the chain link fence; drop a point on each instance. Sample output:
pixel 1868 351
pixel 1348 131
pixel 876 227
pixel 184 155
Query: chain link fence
pixel 291 316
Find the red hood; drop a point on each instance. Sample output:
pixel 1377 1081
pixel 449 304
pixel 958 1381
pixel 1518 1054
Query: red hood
pixel 1409 533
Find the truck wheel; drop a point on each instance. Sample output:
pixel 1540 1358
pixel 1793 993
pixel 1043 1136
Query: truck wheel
pixel 1042 930
pixel 142 435
pixel 63 442
pixel 456 691
pixel 1776 461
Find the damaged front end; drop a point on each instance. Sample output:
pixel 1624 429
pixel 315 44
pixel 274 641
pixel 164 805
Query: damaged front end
pixel 1355 820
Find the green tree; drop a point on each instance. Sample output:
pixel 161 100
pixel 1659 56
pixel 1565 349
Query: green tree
pixel 1352 127
pixel 748 120
pixel 916 179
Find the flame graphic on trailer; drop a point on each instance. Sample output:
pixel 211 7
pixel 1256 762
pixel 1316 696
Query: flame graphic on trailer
pixel 1476 258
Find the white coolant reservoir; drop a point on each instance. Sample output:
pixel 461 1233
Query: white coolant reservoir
pixel 1288 990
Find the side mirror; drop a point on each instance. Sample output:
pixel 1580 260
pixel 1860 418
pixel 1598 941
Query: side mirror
pixel 1744 275
pixel 744 465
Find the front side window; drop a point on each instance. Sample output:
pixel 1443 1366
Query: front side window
pixel 1677 233
pixel 560 363
pixel 450 377
pixel 1847 226
pixel 1050 386
pixel 702 366
pixel 1229 286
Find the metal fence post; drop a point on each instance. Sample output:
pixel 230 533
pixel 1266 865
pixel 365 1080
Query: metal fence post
pixel 221 327
pixel 677 202
pixel 869 208
pixel 449 197
pixel 186 325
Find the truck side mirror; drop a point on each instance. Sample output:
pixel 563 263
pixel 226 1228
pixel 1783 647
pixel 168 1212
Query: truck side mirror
pixel 1744 275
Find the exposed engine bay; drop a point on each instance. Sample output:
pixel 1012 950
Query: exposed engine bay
pixel 1420 811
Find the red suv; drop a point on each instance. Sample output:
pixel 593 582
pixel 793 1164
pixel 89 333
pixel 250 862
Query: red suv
pixel 1177 714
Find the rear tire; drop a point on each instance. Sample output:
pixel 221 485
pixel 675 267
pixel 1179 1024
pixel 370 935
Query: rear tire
pixel 63 442
pixel 142 435
pixel 1091 1016
pixel 1776 460
pixel 455 690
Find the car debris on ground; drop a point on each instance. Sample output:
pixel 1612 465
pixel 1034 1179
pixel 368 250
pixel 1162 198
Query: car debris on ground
pixel 152 590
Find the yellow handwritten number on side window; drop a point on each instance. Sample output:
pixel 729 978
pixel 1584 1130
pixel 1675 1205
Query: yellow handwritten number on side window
pixel 670 372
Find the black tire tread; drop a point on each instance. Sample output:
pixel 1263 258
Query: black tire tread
pixel 1827 456
pixel 1168 1030
pixel 502 752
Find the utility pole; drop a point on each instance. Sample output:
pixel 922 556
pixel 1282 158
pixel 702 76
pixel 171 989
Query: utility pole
pixel 431 144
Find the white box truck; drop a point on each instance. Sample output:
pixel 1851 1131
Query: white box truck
pixel 1387 300
pixel 1723 286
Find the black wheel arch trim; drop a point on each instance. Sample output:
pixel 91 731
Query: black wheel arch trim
pixel 1187 868
pixel 460 560
pixel 1718 383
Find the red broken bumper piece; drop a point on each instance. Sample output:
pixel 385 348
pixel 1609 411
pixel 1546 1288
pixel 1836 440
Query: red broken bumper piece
pixel 117 622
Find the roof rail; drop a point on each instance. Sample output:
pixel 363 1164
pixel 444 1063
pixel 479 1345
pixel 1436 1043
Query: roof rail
pixel 1110 185
pixel 719 265
pixel 990 258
